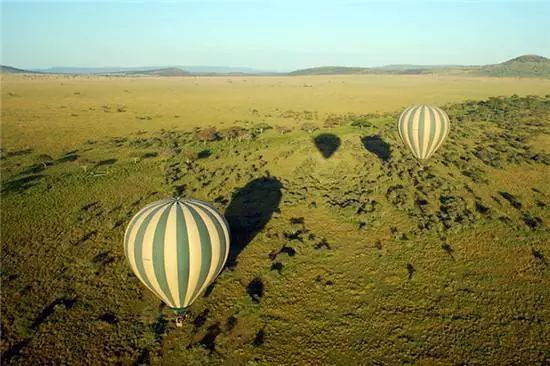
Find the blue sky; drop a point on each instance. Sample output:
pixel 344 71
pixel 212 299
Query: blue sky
pixel 273 35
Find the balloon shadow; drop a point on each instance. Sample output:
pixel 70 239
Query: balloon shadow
pixel 377 146
pixel 327 143
pixel 249 211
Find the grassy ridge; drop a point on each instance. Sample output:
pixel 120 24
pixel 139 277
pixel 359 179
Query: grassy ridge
pixel 359 254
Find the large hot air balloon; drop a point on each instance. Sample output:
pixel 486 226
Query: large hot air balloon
pixel 177 247
pixel 423 128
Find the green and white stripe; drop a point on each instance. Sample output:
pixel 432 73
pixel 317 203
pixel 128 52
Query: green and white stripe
pixel 177 247
pixel 423 128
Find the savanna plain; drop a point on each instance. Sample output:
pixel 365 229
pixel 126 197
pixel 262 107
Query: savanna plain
pixel 345 250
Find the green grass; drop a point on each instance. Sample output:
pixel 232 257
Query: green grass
pixel 364 261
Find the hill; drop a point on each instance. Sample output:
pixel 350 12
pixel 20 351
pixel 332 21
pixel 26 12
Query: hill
pixel 522 66
pixel 388 69
pixel 194 69
pixel 14 70
pixel 93 70
pixel 331 70
pixel 167 71
pixel 527 58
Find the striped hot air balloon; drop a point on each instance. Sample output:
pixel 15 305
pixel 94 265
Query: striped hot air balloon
pixel 423 128
pixel 177 247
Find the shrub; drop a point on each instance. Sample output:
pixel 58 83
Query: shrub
pixel 261 127
pixel 207 134
pixel 84 163
pixel 283 129
pixel 360 122
pixel 309 127
pixel 235 132
pixel 331 122
pixel 45 160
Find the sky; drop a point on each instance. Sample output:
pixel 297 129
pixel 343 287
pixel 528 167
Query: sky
pixel 270 35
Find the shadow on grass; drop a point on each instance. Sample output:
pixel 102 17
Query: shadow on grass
pixel 377 146
pixel 106 162
pixel 67 158
pixel 21 184
pixel 203 154
pixel 327 144
pixel 250 210
pixel 14 350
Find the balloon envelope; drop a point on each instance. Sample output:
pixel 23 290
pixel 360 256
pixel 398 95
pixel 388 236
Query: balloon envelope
pixel 177 247
pixel 423 128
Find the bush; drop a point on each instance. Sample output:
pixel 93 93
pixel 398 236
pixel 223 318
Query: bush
pixel 207 134
pixel 233 133
pixel 309 127
pixel 333 121
pixel 85 163
pixel 45 160
pixel 283 129
pixel 360 122
pixel 261 127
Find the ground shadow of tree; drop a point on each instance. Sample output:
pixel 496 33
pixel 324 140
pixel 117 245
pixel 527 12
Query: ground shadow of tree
pixel 377 146
pixel 327 143
pixel 250 210
pixel 21 184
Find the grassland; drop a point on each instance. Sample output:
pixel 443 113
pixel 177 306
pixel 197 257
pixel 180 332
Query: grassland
pixel 347 251
pixel 50 114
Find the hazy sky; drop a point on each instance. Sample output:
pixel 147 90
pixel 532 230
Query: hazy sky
pixel 274 35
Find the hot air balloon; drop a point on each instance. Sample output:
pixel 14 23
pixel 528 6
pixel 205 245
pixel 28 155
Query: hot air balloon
pixel 176 248
pixel 423 128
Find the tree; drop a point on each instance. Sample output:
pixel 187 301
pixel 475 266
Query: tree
pixel 309 127
pixel 136 155
pixel 360 122
pixel 283 129
pixel 333 120
pixel 84 163
pixel 45 160
pixel 189 156
pixel 235 132
pixel 207 134
pixel 261 127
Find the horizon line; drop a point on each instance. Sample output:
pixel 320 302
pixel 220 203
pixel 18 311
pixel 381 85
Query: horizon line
pixel 252 68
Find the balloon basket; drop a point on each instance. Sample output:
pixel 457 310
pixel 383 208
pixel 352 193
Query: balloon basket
pixel 421 166
pixel 181 317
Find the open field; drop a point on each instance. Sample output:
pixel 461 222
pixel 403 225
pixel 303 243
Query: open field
pixel 346 250
pixel 54 113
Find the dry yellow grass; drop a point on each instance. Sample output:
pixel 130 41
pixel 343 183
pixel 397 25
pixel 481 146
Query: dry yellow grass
pixel 53 113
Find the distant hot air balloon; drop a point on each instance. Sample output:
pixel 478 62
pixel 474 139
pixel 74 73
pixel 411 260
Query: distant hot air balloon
pixel 423 128
pixel 177 247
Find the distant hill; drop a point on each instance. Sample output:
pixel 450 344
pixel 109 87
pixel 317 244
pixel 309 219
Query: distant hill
pixel 14 70
pixel 93 70
pixel 198 70
pixel 331 70
pixel 527 58
pixel 194 69
pixel 522 66
pixel 389 69
pixel 167 71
